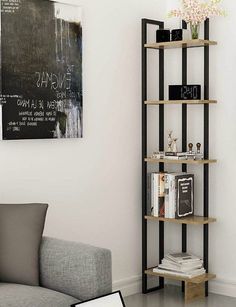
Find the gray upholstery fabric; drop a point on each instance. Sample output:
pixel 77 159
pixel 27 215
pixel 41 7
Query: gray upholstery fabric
pixel 13 295
pixel 21 228
pixel 76 269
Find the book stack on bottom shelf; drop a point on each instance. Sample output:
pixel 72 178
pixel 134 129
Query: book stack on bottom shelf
pixel 181 265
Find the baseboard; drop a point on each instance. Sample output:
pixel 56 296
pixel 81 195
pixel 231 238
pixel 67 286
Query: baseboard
pixel 133 285
pixel 129 286
pixel 223 287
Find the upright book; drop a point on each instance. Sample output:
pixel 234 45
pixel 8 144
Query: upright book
pixel 179 195
pixel 184 195
pixel 158 194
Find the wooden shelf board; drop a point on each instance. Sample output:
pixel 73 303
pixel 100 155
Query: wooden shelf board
pixel 169 161
pixel 195 102
pixel 195 280
pixel 181 44
pixel 191 220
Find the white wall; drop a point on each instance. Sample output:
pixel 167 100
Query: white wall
pixel 222 145
pixel 93 185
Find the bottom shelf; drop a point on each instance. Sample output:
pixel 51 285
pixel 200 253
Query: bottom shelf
pixel 195 280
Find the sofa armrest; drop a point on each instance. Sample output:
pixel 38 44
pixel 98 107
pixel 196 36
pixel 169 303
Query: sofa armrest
pixel 76 269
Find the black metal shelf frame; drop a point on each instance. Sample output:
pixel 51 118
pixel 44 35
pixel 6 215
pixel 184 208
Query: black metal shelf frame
pixel 145 24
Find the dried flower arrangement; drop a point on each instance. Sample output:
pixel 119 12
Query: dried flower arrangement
pixel 194 12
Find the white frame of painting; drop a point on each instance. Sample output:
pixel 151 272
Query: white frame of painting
pixel 99 301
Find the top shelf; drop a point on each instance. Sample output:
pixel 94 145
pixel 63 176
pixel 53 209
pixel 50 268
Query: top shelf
pixel 181 44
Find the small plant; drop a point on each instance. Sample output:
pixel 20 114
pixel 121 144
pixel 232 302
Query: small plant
pixel 194 12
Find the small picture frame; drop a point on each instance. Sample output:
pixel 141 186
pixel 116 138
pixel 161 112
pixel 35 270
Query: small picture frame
pixel 114 299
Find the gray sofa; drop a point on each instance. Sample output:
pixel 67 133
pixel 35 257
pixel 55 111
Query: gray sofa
pixel 69 272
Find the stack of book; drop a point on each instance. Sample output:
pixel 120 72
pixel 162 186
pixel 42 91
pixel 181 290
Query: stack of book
pixel 182 265
pixel 176 155
pixel 172 195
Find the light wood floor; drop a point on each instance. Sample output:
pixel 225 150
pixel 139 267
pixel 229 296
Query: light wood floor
pixel 171 296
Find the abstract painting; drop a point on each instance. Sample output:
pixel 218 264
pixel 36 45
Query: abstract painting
pixel 41 70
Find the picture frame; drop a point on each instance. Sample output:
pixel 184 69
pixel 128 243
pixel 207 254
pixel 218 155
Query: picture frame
pixel 42 92
pixel 114 299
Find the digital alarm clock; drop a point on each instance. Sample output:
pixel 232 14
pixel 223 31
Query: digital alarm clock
pixel 184 92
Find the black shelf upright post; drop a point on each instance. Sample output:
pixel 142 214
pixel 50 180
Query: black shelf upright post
pixel 144 153
pixel 161 145
pixel 206 151
pixel 184 133
pixel 145 23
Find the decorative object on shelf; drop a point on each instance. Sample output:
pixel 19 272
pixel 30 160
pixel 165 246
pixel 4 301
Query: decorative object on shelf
pixel 162 36
pixel 174 145
pixel 194 155
pixel 195 30
pixel 194 12
pixel 180 35
pixel 199 155
pixel 198 148
pixel 185 92
pixel 170 141
pixel 173 154
pixel 190 146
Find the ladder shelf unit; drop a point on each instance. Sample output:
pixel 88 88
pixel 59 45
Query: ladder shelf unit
pixel 196 287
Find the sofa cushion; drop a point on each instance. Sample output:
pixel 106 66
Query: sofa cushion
pixel 13 295
pixel 21 228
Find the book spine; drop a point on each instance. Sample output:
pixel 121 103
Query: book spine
pixel 172 196
pixel 170 154
pixel 152 193
pixel 156 192
pixel 177 200
pixel 167 200
pixel 149 194
pixel 176 197
pixel 176 157
pixel 161 195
